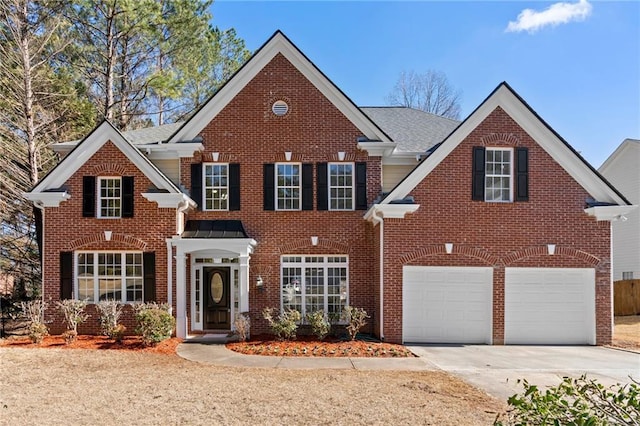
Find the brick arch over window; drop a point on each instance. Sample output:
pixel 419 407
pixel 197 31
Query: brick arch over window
pixel 335 246
pixel 439 249
pixel 123 240
pixel 109 169
pixel 589 259
pixel 500 139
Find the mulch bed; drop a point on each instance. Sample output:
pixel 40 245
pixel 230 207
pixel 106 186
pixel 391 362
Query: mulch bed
pixel 129 343
pixel 306 346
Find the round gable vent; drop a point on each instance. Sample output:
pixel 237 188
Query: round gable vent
pixel 280 108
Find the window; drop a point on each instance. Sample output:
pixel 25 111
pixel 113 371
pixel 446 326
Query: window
pixel 340 186
pixel 109 197
pixel 216 186
pixel 498 176
pixel 109 276
pixel 311 283
pixel 627 275
pixel 288 188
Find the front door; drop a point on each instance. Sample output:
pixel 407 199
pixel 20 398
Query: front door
pixel 217 300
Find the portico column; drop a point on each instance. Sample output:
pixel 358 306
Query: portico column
pixel 244 283
pixel 181 295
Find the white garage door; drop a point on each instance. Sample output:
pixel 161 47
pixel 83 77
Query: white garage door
pixel 447 304
pixel 549 306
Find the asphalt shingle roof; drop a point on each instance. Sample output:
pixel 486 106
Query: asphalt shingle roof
pixel 151 135
pixel 412 129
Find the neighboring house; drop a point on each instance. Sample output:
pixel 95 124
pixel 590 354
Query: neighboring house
pixel 281 192
pixel 622 169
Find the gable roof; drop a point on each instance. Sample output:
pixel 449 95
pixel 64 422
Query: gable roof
pixel 412 129
pixel 507 99
pixel 278 43
pixel 622 149
pixel 89 146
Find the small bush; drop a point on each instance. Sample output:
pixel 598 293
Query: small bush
pixel 576 402
pixel 110 312
pixel 74 314
pixel 33 310
pixel 285 325
pixel 243 326
pixel 320 325
pixel 356 319
pixel 155 323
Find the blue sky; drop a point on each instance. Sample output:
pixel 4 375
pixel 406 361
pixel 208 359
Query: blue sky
pixel 576 63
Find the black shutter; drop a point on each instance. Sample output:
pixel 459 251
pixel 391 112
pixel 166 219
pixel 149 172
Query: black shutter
pixel 66 275
pixel 322 186
pixel 196 184
pixel 149 266
pixel 88 196
pixel 522 174
pixel 361 186
pixel 127 196
pixel 234 186
pixel 477 189
pixel 269 187
pixel 307 186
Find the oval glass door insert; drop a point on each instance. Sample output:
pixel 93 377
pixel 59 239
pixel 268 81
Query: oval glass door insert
pixel 217 287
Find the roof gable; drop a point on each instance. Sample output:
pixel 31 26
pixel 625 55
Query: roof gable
pixel 507 99
pixel 631 146
pixel 278 44
pixel 89 146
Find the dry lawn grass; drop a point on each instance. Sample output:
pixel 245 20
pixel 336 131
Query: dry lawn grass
pixel 626 333
pixel 57 386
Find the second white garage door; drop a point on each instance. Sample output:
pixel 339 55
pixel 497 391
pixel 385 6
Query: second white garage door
pixel 447 304
pixel 549 306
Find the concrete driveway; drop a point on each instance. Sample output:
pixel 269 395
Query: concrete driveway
pixel 497 368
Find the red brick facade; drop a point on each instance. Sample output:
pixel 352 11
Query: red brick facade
pixel 498 235
pixel 314 130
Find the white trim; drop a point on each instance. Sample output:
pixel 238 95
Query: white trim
pixel 504 98
pixel 47 199
pixel 511 170
pixel 278 44
pixel 167 200
pixel 204 186
pixel 610 213
pixel 390 211
pixel 377 148
pixel 276 187
pixel 625 146
pixel 353 185
pixel 99 197
pixel 96 277
pixel 89 146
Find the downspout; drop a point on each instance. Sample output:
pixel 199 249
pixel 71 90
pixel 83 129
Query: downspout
pixel 40 205
pixel 378 220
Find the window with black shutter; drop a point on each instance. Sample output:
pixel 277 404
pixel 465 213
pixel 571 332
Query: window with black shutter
pixel 522 174
pixel 268 186
pixel 66 275
pixel 234 186
pixel 196 184
pixel 322 186
pixel 361 186
pixel 127 196
pixel 88 196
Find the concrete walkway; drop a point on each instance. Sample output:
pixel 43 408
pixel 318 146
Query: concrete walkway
pixel 216 353
pixel 494 369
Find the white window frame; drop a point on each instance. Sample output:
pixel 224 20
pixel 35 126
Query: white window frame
pixel 100 198
pixel 297 187
pixel 299 289
pixel 123 276
pixel 498 175
pixel 348 200
pixel 224 198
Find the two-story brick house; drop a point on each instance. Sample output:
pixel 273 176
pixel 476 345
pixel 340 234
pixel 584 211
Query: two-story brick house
pixel 281 192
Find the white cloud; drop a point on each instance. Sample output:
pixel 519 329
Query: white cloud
pixel 556 14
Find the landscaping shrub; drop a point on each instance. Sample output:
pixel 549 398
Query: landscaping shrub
pixel 285 325
pixel 33 310
pixel 243 326
pixel 578 401
pixel 110 312
pixel 74 314
pixel 320 325
pixel 356 319
pixel 155 323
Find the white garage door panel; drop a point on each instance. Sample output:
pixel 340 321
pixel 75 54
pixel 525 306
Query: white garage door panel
pixel 447 304
pixel 549 306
